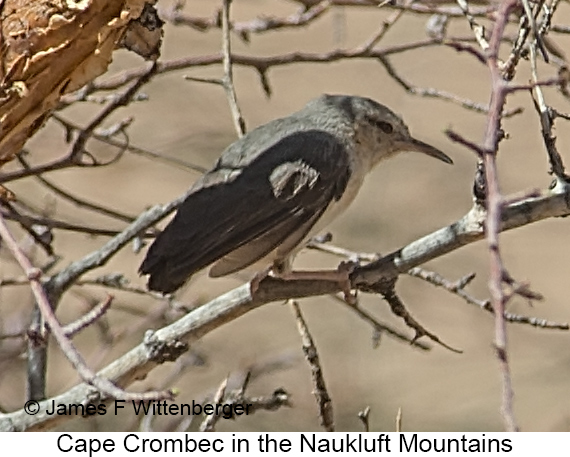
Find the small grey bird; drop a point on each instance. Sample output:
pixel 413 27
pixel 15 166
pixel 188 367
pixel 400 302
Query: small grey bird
pixel 275 188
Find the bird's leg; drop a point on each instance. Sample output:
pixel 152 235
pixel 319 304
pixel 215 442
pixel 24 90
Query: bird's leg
pixel 256 280
pixel 345 269
pixel 277 269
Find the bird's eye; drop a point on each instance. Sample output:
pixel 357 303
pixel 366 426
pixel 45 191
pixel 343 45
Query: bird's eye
pixel 386 127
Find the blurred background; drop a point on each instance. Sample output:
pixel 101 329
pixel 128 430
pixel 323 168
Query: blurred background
pixel 403 199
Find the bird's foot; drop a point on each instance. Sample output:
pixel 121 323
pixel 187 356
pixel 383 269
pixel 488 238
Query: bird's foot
pixel 256 280
pixel 344 269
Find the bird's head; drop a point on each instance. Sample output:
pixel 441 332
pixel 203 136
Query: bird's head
pixel 379 132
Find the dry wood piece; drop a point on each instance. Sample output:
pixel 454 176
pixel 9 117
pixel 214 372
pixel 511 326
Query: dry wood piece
pixel 49 49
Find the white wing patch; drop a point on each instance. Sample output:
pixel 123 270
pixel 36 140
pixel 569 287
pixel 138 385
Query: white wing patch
pixel 289 178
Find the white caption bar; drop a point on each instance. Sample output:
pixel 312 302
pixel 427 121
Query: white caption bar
pixel 127 444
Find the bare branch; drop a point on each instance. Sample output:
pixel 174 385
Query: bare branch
pixel 262 64
pixel 547 123
pixel 10 213
pixel 324 401
pixel 228 79
pixel 121 100
pixel 478 30
pixel 104 386
pixel 439 94
pixel 495 206
pixel 363 416
pixel 209 424
pixel 381 328
pixel 64 279
pixel 244 29
pixel 458 288
pixel 77 201
pixel 172 161
pixel 138 362
pixel 87 319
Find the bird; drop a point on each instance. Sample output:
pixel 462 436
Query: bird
pixel 276 187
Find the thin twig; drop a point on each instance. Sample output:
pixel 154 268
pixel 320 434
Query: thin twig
pixel 494 210
pixel 41 234
pixel 439 94
pixel 342 252
pixel 209 423
pixel 533 27
pixel 103 385
pixel 399 309
pixel 87 319
pixel 51 223
pixel 76 200
pixel 121 100
pixel 364 418
pixel 244 29
pixel 458 288
pixel 478 30
pixel 262 64
pixel 324 401
pixel 381 328
pixel 399 420
pixel 386 25
pixel 546 124
pixel 172 161
pixel 228 79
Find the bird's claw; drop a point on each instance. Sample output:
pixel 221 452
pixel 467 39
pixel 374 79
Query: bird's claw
pixel 256 280
pixel 345 269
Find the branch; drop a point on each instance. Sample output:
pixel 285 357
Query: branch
pixel 262 64
pixel 458 288
pixel 228 79
pixel 104 386
pixel 324 401
pixel 173 161
pixel 138 362
pixel 244 29
pixel 76 200
pixel 495 205
pixel 11 214
pixel 118 101
pixel 416 7
pixel 89 318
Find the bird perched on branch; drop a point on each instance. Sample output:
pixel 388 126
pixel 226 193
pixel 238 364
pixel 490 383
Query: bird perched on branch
pixel 275 188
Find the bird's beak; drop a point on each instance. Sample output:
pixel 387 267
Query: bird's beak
pixel 411 144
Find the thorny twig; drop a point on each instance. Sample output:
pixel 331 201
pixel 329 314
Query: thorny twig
pixel 245 29
pixel 104 386
pixel 76 200
pixel 87 319
pixel 228 79
pixel 458 288
pixel 324 401
pixel 209 423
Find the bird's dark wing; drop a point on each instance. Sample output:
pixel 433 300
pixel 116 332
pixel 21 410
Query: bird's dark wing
pixel 243 214
pixel 287 235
